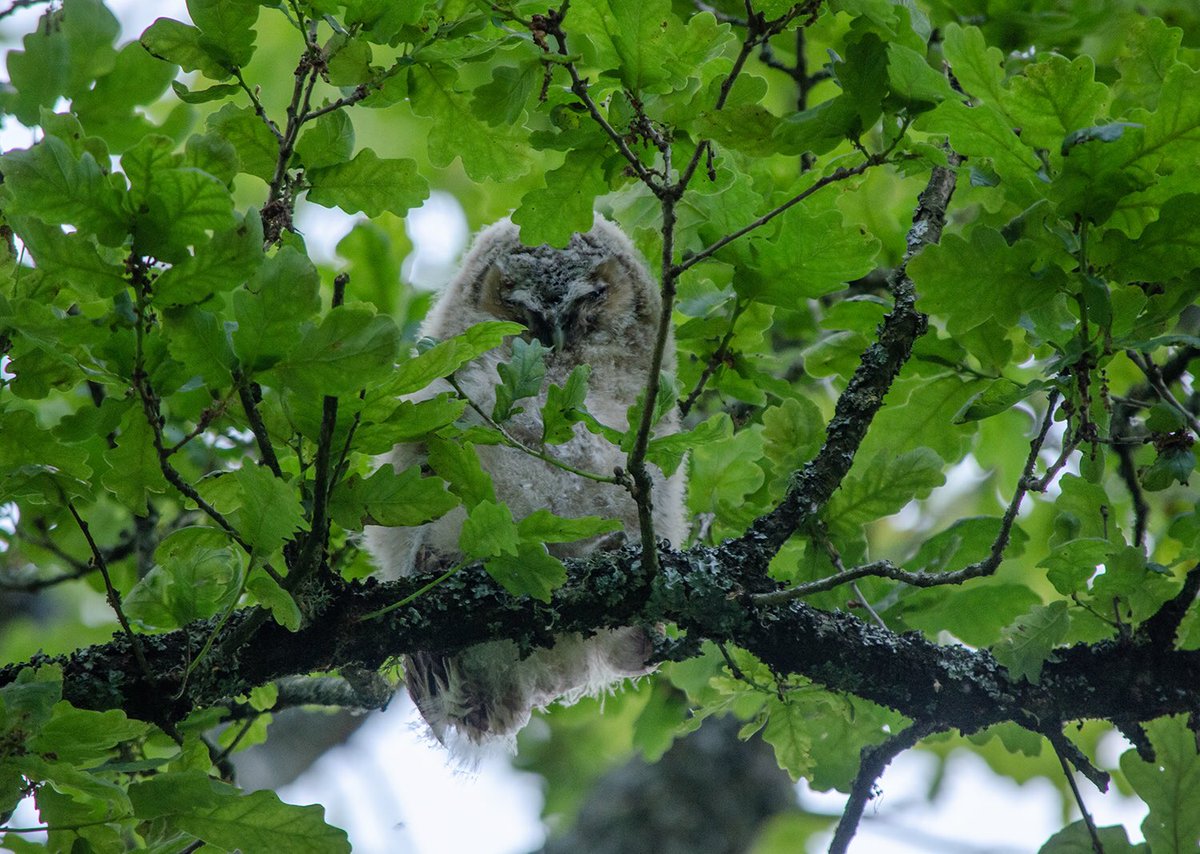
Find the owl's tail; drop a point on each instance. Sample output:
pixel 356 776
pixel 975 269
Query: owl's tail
pixel 483 695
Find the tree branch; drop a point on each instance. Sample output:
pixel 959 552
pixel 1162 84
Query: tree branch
pixel 698 590
pixel 550 24
pixel 873 761
pixel 813 485
pixel 979 569
pixel 839 174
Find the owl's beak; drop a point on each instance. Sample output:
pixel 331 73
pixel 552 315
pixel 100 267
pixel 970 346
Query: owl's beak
pixel 548 330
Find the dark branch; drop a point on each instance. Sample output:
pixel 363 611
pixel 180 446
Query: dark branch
pixel 813 486
pixel 871 766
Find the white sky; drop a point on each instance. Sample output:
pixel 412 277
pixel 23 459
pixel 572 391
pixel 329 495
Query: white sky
pixel 395 793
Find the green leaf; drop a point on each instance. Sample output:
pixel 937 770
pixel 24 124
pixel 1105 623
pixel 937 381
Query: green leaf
pixel 1168 248
pixel 184 45
pixel 180 208
pixel 789 731
pixel 273 307
pixel 913 80
pixel 667 452
pixel 1071 565
pixel 278 601
pixel 82 737
pixel 50 182
pixel 1174 464
pixel 793 432
pixel 1005 284
pixel 349 60
pixel 978 67
pixel 532 571
pixel 459 466
pixel 542 526
pixel 503 100
pixel 1055 97
pixel 1000 395
pixel 408 422
pixel 327 141
pixel 500 153
pixel 108 108
pixel 564 206
pixel 256 146
pixel 1150 48
pixel 748 128
pixel 814 254
pixel 351 349
pixel 226 25
pixel 388 498
pixel 369 185
pixel 984 131
pixel 1028 642
pixel 884 485
pixel 217 92
pixel 221 262
pixel 820 128
pixel 135 469
pixel 520 377
pixel 448 356
pixel 212 154
pixel 198 340
pixel 1170 786
pixel 73 259
pixel 197 575
pixel 1162 418
pixel 222 816
pixel 564 405
pixel 488 531
pixel 723 472
pixel 1172 138
pixel 974 615
pixel 70 48
pixel 1076 838
pixel 264 509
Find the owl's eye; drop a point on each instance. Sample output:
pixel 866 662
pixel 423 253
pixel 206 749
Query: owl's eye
pixel 595 296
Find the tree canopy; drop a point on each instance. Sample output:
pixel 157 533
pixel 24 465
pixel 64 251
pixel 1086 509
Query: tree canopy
pixel 931 269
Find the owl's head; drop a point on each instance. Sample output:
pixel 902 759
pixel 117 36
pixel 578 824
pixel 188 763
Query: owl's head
pixel 596 291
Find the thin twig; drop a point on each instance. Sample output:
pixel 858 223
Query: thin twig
pixel 839 174
pixel 636 462
pixel 887 569
pixel 259 110
pixel 873 761
pixel 248 394
pixel 207 417
pixel 1162 627
pixel 323 480
pixel 715 360
pixel 1097 846
pixel 237 739
pixel 114 598
pixel 19 5
pixel 551 24
pixel 1147 366
pixel 387 609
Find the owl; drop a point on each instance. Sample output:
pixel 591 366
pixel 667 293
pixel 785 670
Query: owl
pixel 593 303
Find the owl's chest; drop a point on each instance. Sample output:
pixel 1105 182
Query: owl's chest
pixel 526 483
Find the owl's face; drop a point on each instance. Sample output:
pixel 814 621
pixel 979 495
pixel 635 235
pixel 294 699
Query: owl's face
pixel 568 298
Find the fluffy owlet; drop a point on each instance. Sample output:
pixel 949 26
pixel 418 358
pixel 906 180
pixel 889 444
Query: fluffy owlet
pixel 592 303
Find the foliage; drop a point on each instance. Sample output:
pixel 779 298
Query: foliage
pixel 191 400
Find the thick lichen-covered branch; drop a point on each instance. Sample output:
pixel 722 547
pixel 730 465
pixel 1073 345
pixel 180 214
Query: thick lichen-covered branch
pixel 699 590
